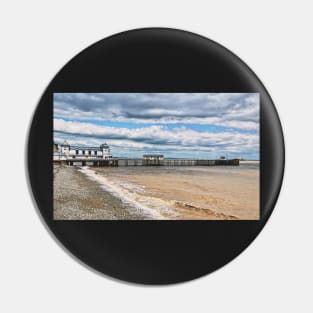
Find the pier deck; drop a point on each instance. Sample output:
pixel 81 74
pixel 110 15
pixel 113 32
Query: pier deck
pixel 145 162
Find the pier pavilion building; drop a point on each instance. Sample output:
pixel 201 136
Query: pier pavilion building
pixel 67 152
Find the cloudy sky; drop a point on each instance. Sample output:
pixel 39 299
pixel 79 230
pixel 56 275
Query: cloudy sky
pixel 178 125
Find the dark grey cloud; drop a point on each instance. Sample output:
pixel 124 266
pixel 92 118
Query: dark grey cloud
pixel 229 109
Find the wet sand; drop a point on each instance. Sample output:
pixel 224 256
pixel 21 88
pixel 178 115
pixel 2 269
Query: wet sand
pixel 213 193
pixel 195 192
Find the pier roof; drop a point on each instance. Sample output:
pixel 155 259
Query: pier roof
pixel 85 148
pixel 65 144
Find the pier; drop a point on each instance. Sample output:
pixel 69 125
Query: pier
pixel 101 156
pixel 147 162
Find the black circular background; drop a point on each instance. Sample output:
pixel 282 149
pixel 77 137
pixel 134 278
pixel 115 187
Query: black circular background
pixel 155 60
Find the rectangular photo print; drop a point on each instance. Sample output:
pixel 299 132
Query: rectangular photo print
pixel 156 156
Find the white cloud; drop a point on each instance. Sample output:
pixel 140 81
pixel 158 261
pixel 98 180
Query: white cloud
pixel 156 137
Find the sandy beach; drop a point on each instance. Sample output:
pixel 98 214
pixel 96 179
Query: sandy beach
pixel 212 193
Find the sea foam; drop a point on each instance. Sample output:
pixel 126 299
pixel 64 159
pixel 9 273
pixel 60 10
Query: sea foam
pixel 132 195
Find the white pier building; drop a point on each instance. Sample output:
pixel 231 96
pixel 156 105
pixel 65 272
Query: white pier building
pixel 69 152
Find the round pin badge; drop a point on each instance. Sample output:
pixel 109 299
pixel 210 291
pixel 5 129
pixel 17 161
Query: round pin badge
pixel 155 156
